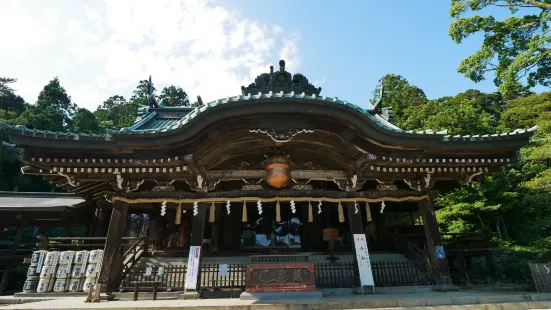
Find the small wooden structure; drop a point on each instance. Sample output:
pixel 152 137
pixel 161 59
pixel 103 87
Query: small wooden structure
pixel 266 170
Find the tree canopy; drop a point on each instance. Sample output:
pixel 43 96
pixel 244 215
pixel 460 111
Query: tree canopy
pixel 516 49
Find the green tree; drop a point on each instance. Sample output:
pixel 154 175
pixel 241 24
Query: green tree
pixel 9 101
pixel 399 94
pixel 54 95
pixel 41 118
pixel 140 96
pixel 116 113
pixel 85 122
pixel 471 112
pixel 173 96
pixel 515 48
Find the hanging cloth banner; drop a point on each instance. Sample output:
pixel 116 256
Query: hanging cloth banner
pixel 212 212
pixel 192 268
pixel 341 213
pixel 244 214
pixel 368 212
pixel 310 214
pixel 178 219
pixel 278 212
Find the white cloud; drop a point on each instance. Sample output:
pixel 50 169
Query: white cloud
pixel 105 48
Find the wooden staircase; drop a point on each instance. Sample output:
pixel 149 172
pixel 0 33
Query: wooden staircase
pixel 132 256
pixel 417 255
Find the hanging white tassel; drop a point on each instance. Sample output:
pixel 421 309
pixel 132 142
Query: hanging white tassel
pixel 244 214
pixel 228 207
pixel 163 208
pixel 310 214
pixel 319 207
pixel 259 207
pixel 293 207
pixel 368 211
pixel 195 208
pixel 212 213
pixel 382 206
pixel 355 207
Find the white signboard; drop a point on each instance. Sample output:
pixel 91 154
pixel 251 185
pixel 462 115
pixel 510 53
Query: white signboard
pixel 364 264
pixel 193 267
pixel 223 270
pixel 148 271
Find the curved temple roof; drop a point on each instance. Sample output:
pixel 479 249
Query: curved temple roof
pixel 277 87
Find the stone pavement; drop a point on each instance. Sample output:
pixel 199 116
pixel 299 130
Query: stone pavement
pixel 430 300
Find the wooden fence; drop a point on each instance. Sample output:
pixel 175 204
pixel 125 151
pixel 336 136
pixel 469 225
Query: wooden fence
pixel 328 275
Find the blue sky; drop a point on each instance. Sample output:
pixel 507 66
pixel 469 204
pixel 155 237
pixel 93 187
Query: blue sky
pixel 351 44
pixel 210 48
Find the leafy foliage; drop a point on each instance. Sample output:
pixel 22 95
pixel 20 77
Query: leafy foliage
pixel 85 122
pixel 514 48
pixel 172 96
pixel 55 97
pixel 400 95
pixel 116 113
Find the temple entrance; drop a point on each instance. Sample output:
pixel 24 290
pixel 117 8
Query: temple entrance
pixel 265 231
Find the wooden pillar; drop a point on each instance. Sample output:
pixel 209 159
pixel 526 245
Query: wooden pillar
pixel 110 266
pixel 215 235
pixel 20 231
pixel 356 227
pixel 198 225
pixel 5 275
pixel 231 228
pixel 101 223
pixel 197 231
pixel 440 266
pixel 311 232
pixel 158 232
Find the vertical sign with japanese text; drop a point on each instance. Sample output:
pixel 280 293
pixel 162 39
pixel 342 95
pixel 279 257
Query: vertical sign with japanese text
pixel 364 263
pixel 193 267
pixel 223 270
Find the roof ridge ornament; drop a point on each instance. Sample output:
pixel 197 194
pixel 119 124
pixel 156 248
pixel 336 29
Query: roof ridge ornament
pixel 281 81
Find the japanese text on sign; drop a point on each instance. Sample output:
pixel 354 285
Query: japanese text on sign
pixel 364 263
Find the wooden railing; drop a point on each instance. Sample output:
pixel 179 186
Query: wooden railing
pixel 333 275
pixel 132 256
pixel 327 274
pixel 81 243
pixel 417 255
pixel 279 258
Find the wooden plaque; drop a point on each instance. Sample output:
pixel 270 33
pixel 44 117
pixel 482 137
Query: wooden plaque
pixel 94 293
pixel 330 234
pixel 289 277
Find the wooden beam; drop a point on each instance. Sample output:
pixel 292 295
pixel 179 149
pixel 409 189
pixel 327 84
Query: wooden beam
pixel 194 165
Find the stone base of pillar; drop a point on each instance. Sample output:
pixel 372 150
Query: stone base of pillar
pixel 367 289
pixel 190 295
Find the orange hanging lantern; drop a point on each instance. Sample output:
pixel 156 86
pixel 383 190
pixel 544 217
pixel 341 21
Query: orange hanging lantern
pixel 278 172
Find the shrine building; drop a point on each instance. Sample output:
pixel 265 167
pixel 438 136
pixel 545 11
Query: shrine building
pixel 279 170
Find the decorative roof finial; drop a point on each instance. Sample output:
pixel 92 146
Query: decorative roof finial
pixel 379 104
pixel 152 100
pixel 281 80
